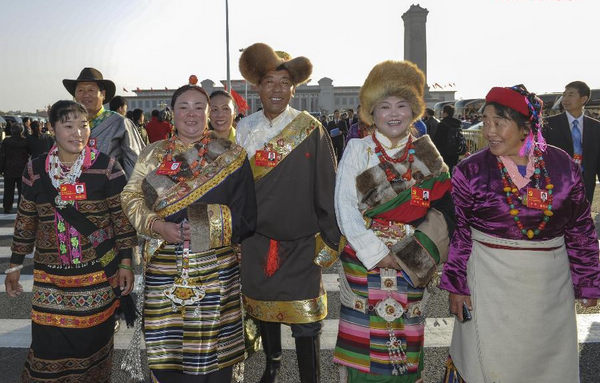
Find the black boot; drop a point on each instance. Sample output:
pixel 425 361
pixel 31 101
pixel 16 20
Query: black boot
pixel 270 334
pixel 308 353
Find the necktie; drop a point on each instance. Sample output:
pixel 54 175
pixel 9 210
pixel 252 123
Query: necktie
pixel 577 144
pixel 576 134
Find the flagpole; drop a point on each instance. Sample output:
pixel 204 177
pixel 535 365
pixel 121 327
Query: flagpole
pixel 246 82
pixel 227 42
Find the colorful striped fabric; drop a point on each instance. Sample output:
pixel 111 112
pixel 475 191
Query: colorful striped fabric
pixel 451 375
pixel 399 208
pixel 195 339
pixel 362 338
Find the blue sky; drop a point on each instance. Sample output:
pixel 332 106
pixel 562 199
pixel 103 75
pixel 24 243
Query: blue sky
pixel 475 44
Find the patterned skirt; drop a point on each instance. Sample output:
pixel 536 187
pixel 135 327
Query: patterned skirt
pixel 193 338
pixel 72 325
pixel 451 375
pixel 363 337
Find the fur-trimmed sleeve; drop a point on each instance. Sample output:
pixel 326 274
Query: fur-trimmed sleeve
pixel 369 249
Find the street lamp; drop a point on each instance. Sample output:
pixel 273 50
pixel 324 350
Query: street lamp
pixel 227 42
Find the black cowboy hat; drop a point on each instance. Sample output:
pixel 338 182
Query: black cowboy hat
pixel 91 75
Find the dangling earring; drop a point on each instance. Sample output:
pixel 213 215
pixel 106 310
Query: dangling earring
pixel 526 148
pixel 541 142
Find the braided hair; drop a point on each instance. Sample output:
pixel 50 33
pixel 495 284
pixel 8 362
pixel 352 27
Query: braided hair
pixel 535 106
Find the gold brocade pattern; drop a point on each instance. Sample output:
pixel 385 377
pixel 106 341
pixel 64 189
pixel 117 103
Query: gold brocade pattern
pixel 227 228
pixel 219 220
pixel 302 311
pixel 70 281
pixel 326 256
pixel 185 193
pixel 286 141
pixel 71 321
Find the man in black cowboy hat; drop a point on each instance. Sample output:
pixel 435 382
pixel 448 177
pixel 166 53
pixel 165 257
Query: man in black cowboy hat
pixel 111 133
pixel 294 169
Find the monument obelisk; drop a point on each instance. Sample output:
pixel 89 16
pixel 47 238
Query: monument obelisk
pixel 415 38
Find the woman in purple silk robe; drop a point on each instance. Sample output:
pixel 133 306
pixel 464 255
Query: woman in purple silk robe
pixel 524 249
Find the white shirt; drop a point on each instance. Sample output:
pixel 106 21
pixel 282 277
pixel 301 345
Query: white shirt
pixel 359 156
pixel 254 131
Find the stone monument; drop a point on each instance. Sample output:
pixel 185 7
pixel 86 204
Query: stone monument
pixel 415 38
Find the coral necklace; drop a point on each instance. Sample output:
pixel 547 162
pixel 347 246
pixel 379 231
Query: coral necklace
pixel 511 191
pixel 197 165
pixel 386 160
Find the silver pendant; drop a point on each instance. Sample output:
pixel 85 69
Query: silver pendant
pixel 389 309
pixel 59 202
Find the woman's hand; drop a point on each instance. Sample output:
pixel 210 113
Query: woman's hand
pixel 389 262
pixel 456 304
pixel 126 277
pixel 171 232
pixel 585 302
pixel 13 287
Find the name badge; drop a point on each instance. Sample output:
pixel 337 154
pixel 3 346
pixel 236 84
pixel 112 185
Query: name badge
pixel 73 192
pixel 537 199
pixel 266 158
pixel 168 168
pixel 419 197
pixel 92 143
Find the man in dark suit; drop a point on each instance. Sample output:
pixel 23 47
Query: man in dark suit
pixel 577 134
pixel 352 118
pixel 337 130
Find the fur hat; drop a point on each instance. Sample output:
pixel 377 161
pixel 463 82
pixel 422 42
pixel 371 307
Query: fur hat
pixel 392 78
pixel 259 59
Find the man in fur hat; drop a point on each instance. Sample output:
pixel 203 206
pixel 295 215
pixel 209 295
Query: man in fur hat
pixel 294 169
pixel 111 134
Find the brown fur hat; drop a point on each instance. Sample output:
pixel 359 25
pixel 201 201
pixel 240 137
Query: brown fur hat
pixel 259 59
pixel 392 78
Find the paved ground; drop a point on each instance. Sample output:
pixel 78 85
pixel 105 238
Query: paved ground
pixel 15 335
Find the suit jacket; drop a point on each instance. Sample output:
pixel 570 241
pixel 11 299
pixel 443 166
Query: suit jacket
pixel 338 141
pixel 558 133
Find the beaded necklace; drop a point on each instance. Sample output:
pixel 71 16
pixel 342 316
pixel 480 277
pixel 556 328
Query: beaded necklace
pixel 511 191
pixel 58 175
pixel 385 159
pixel 197 165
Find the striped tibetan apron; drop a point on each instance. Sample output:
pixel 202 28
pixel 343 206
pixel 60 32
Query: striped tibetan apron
pixel 365 339
pixel 193 326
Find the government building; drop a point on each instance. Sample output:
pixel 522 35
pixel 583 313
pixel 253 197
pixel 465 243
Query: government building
pixel 323 97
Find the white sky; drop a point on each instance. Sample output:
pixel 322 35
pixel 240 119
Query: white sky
pixel 475 44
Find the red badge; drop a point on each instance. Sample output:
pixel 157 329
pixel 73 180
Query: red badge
pixel 168 168
pixel 577 158
pixel 73 192
pixel 92 143
pixel 419 197
pixel 266 158
pixel 537 199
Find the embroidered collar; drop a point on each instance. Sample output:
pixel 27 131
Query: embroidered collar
pixel 102 115
pixel 387 144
